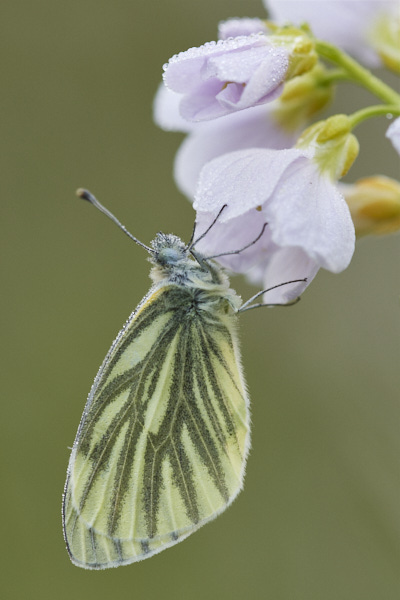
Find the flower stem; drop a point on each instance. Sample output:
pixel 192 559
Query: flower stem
pixel 332 75
pixel 357 73
pixel 373 111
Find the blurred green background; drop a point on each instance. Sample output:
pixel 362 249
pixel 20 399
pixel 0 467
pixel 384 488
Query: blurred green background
pixel 318 518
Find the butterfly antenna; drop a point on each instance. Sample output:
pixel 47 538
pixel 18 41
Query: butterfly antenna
pixel 241 249
pixel 246 305
pixel 193 243
pixel 86 195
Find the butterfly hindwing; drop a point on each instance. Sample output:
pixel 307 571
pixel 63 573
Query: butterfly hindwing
pixel 162 444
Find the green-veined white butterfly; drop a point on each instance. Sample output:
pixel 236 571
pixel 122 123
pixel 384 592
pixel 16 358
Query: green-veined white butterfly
pixel 162 444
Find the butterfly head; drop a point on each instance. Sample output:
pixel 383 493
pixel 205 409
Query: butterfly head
pixel 168 251
pixel 171 260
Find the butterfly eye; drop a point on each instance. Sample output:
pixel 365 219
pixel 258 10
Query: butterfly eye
pixel 168 256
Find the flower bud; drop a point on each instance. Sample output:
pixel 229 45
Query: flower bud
pixel 302 97
pixel 374 204
pixel 385 37
pixel 336 148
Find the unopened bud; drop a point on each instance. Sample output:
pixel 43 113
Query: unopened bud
pixel 374 204
pixel 385 36
pixel 302 97
pixel 336 148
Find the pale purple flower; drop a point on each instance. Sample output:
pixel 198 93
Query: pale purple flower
pixel 393 133
pixel 252 128
pixel 256 127
pixel 222 77
pixel 309 224
pixel 345 23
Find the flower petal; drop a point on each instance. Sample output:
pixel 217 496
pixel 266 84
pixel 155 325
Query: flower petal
pixel 243 180
pixel 287 264
pixel 264 63
pixel 393 133
pixel 308 211
pixel 184 70
pixel 232 237
pixel 302 206
pixel 166 111
pixel 230 75
pixel 252 128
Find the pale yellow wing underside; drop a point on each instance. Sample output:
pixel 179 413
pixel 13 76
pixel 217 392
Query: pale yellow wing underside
pixel 162 444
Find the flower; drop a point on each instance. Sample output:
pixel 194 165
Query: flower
pixel 219 78
pixel 275 125
pixel 347 23
pixel 232 74
pixel 309 224
pixel 393 133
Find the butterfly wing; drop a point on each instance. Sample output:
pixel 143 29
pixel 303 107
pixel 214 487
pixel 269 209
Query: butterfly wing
pixel 163 440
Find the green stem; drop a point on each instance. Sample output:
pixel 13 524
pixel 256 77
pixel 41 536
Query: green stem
pixel 330 76
pixel 373 111
pixel 357 73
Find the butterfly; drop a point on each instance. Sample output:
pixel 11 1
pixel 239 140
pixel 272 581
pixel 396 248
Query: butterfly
pixel 162 444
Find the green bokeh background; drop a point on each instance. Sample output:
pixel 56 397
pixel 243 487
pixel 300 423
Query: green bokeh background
pixel 318 518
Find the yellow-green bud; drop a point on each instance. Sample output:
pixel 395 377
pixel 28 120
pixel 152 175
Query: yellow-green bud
pixel 385 38
pixel 336 148
pixel 302 97
pixel 374 204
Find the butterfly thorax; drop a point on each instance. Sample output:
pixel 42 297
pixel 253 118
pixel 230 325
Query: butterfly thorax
pixel 173 263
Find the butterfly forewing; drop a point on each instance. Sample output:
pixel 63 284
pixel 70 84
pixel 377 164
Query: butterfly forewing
pixel 162 444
